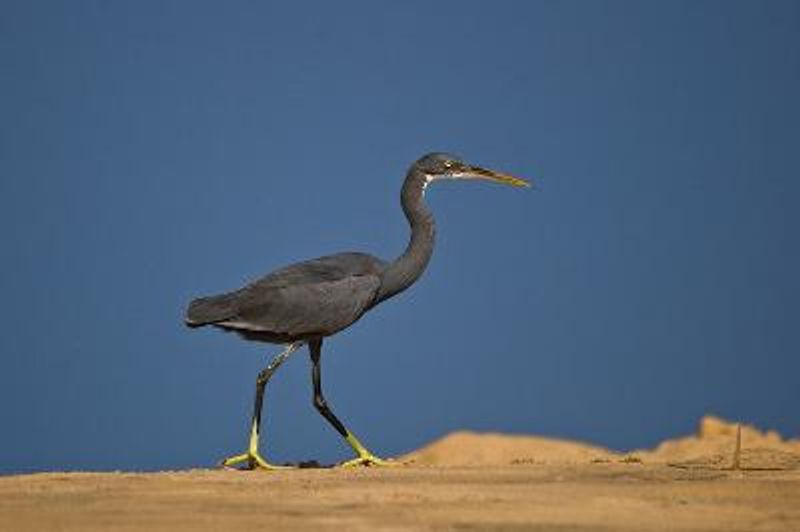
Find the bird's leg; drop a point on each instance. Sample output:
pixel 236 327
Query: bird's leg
pixel 252 457
pixel 365 457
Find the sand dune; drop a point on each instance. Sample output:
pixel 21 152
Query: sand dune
pixel 492 449
pixel 714 445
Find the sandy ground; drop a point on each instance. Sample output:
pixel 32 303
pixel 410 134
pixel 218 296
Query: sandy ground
pixel 464 481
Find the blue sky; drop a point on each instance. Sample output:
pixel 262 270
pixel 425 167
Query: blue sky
pixel 152 152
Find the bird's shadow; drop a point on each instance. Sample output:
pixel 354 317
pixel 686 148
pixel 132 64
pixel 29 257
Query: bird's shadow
pixel 301 464
pixel 310 464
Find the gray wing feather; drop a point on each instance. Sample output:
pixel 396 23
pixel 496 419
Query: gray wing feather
pixel 205 310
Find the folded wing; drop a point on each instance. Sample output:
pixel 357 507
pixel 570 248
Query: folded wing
pixel 313 298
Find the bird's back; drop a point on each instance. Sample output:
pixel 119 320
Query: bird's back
pixel 313 298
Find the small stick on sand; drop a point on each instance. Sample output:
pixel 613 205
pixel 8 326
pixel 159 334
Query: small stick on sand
pixel 737 450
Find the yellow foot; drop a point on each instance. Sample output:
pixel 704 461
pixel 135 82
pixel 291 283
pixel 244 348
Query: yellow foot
pixel 252 460
pixel 369 460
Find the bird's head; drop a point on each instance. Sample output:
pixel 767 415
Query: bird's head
pixel 437 166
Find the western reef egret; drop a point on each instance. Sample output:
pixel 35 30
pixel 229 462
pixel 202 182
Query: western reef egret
pixel 309 301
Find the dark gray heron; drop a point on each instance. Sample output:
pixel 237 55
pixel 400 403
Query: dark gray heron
pixel 309 301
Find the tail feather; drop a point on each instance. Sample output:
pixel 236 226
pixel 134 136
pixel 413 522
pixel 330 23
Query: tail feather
pixel 213 309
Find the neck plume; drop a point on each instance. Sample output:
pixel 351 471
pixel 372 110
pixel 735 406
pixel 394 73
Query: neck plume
pixel 406 269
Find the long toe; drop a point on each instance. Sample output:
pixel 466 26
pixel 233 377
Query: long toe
pixel 370 461
pixel 250 461
pixel 233 461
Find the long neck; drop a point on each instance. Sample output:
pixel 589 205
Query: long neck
pixel 403 271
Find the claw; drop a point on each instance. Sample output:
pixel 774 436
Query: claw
pixel 253 460
pixel 365 457
pixel 369 460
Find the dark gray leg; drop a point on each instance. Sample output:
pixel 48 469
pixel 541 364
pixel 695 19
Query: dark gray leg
pixel 252 456
pixel 365 457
